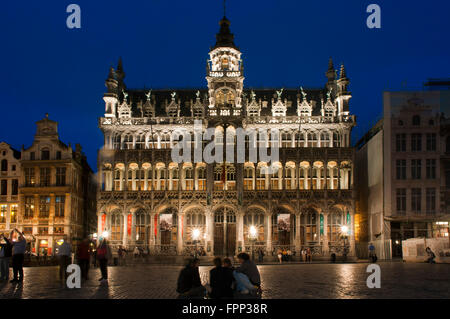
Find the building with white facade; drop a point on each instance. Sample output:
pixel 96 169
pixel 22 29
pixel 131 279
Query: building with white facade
pixel 147 199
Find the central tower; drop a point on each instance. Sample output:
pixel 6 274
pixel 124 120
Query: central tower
pixel 225 74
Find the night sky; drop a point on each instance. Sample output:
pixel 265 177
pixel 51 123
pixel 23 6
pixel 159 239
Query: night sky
pixel 48 68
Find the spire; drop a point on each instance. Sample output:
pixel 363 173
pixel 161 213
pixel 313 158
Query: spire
pixel 111 74
pixel 225 38
pixel 343 74
pixel 120 73
pixel 331 74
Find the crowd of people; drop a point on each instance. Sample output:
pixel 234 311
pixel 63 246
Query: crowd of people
pixel 225 281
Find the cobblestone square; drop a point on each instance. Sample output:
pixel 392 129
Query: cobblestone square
pixel 302 281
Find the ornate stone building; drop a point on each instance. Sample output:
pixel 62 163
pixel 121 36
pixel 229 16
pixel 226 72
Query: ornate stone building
pixel 146 199
pixel 9 186
pixel 57 191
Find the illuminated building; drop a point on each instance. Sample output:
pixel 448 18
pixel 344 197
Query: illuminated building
pixel 146 199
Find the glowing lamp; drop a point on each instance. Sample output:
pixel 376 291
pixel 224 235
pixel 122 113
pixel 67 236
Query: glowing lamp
pixel 253 231
pixel 105 234
pixel 196 234
pixel 344 230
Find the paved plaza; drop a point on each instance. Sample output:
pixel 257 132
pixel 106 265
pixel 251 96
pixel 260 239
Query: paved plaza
pixel 398 280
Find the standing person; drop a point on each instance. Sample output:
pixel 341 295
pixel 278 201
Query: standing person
pixel 248 279
pixel 5 257
pixel 372 253
pixel 289 255
pixel 303 253
pixel 280 256
pixel 64 255
pixel 18 253
pixel 83 258
pixel 136 252
pixel 121 253
pixel 260 255
pixel 308 254
pixel 221 281
pixel 431 256
pixel 103 255
pixel 189 284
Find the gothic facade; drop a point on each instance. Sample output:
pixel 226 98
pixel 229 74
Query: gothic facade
pixel 222 208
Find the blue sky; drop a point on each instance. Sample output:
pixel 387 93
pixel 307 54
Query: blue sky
pixel 48 68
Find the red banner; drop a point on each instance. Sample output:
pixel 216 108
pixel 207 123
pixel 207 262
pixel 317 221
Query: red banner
pixel 103 223
pixel 156 225
pixel 129 220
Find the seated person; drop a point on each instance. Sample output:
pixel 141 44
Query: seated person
pixel 221 281
pixel 189 284
pixel 248 279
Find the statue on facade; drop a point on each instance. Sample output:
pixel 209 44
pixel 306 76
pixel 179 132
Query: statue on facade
pixel 125 95
pixel 279 93
pixel 303 93
pixel 173 95
pixel 148 95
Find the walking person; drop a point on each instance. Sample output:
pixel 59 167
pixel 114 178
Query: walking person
pixel 64 255
pixel 121 254
pixel 136 252
pixel 260 255
pixel 5 257
pixel 103 255
pixel 289 255
pixel 280 256
pixel 189 285
pixel 221 281
pixel 83 258
pixel 303 253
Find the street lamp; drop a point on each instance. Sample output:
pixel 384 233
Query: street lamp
pixel 344 233
pixel 105 234
pixel 195 237
pixel 253 232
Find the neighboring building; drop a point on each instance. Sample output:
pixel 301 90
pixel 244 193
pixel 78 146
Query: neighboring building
pixel 56 191
pixel 399 171
pixel 9 186
pixel 146 199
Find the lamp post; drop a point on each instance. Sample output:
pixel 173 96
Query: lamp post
pixel 195 237
pixel 253 232
pixel 344 234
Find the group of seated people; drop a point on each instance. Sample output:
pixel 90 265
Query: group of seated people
pixel 225 281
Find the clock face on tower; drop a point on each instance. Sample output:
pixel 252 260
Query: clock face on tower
pixel 225 98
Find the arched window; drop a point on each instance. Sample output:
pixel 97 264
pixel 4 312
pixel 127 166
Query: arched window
pixel 168 221
pixel 116 226
pixel 201 178
pixel 416 120
pixel 248 178
pixel 312 140
pixel 195 225
pixel 128 142
pixel 4 165
pixel 310 224
pixel 142 221
pixel 334 223
pixel 254 218
pixel 116 142
pixel 189 178
pixel 140 141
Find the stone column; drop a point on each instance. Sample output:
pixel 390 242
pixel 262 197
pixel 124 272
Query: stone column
pixel 352 235
pixel 209 232
pixel 180 233
pixel 240 230
pixel 298 243
pixel 269 233
pixel 325 239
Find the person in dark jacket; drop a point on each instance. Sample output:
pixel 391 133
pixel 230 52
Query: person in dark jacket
pixel 5 257
pixel 431 256
pixel 221 281
pixel 189 284
pixel 83 257
pixel 248 279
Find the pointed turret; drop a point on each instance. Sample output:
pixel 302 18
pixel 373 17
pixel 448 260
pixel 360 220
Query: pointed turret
pixel 111 82
pixel 331 74
pixel 225 38
pixel 343 74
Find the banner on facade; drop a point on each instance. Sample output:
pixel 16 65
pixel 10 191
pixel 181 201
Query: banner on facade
pixel 129 221
pixel 321 224
pixel 103 222
pixel 284 222
pixel 156 223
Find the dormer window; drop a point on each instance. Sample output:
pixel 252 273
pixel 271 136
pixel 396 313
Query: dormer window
pixel 416 120
pixel 45 154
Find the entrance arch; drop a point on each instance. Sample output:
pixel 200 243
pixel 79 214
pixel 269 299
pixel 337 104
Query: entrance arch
pixel 224 232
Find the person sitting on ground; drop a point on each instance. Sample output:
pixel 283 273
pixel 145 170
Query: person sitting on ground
pixel 248 279
pixel 431 256
pixel 221 281
pixel 189 284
